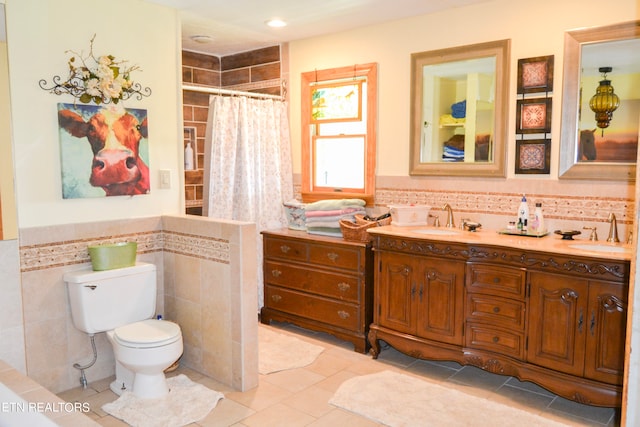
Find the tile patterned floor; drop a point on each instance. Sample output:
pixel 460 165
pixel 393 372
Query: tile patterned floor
pixel 299 397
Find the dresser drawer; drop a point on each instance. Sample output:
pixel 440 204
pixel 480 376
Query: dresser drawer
pixel 337 256
pixel 333 285
pixel 496 340
pixel 333 312
pixel 495 280
pixel 495 310
pixel 285 249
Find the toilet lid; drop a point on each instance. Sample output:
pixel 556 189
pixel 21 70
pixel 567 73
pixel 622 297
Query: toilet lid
pixel 147 333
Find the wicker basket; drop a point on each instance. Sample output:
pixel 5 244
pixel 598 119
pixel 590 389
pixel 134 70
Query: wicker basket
pixel 357 231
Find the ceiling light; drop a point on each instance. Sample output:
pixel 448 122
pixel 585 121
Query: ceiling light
pixel 276 23
pixel 201 39
pixel 605 101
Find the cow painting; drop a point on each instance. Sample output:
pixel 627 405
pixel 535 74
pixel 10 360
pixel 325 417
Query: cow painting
pixel 103 150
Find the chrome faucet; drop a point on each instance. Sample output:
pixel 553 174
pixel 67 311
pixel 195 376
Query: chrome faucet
pixel 613 229
pixel 450 222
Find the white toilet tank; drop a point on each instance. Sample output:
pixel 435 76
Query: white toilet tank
pixel 103 300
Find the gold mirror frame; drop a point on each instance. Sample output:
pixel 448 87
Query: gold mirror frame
pixel 501 51
pixel 569 167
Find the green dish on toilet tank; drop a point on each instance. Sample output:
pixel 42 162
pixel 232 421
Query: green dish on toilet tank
pixel 112 256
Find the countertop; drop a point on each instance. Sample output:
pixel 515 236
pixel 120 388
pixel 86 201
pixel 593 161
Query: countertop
pixel 552 243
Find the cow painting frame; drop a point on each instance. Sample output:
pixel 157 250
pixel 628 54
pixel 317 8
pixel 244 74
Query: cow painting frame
pixel 104 150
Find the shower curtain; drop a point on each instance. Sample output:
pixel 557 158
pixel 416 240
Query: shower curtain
pixel 247 171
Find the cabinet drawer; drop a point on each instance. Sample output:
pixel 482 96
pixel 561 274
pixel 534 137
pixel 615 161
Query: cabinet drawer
pixel 336 256
pixel 325 310
pixel 494 339
pixel 285 249
pixel 496 310
pixel 495 280
pixel 333 285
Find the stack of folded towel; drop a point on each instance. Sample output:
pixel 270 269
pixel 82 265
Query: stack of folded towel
pixel 323 217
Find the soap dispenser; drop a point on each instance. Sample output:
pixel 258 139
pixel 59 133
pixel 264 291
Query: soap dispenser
pixel 523 211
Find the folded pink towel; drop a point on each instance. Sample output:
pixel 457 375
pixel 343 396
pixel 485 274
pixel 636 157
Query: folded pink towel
pixel 335 212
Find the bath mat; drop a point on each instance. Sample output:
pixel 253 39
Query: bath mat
pixel 399 400
pixel 279 352
pixel 187 402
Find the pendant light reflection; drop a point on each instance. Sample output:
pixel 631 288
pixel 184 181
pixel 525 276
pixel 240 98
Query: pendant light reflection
pixel 605 101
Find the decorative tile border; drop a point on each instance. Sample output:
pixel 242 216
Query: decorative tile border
pixel 573 208
pixel 59 254
pixel 208 248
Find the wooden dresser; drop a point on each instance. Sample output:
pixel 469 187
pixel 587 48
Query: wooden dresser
pixel 320 283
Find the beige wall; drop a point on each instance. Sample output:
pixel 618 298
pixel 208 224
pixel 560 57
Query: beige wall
pixel 39 32
pixel 535 29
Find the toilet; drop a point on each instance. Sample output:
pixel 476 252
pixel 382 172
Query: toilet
pixel 122 303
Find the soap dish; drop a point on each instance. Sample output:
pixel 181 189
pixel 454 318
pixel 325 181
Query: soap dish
pixel 567 234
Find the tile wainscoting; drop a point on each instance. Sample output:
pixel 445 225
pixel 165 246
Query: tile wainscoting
pixel 206 283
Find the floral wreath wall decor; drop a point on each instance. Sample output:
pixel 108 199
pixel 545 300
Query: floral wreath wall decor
pixel 101 80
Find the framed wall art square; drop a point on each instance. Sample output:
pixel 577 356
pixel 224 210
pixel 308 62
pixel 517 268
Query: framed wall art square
pixel 535 74
pixel 533 156
pixel 533 115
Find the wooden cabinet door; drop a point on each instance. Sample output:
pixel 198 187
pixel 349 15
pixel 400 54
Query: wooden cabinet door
pixel 606 332
pixel 395 287
pixel 558 322
pixel 439 299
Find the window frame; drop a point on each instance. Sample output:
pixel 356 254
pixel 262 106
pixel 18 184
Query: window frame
pixel 323 77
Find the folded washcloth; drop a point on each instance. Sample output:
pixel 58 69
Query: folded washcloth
pixel 333 204
pixel 459 109
pixel 448 119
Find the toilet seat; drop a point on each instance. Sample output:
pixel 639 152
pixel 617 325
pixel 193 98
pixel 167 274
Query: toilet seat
pixel 147 334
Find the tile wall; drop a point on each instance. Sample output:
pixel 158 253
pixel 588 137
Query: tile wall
pixel 52 344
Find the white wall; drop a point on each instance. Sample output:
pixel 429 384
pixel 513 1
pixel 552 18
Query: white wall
pixel 39 33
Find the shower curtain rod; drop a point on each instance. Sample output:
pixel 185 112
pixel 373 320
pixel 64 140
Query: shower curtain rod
pixel 220 91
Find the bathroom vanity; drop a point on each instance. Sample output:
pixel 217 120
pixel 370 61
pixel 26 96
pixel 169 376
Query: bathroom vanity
pixel 320 283
pixel 544 310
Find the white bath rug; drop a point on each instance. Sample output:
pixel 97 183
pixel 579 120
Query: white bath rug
pixel 399 400
pixel 279 352
pixel 187 402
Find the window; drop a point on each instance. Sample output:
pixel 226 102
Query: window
pixel 339 133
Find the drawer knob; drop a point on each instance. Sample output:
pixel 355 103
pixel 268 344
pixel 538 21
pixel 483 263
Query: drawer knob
pixel 496 309
pixel 496 339
pixel 344 287
pixel 343 314
pixel 276 298
pixel 276 273
pixel 496 280
pixel 285 249
pixel 332 256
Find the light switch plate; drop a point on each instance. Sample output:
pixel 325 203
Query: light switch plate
pixel 165 179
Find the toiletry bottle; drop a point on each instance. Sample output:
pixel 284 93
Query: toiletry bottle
pixel 188 157
pixel 523 210
pixel 539 219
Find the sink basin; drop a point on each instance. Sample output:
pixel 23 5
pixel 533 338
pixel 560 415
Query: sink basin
pixel 437 232
pixel 595 247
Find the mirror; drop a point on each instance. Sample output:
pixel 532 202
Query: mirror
pixel 459 99
pixel 8 221
pixel 586 150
